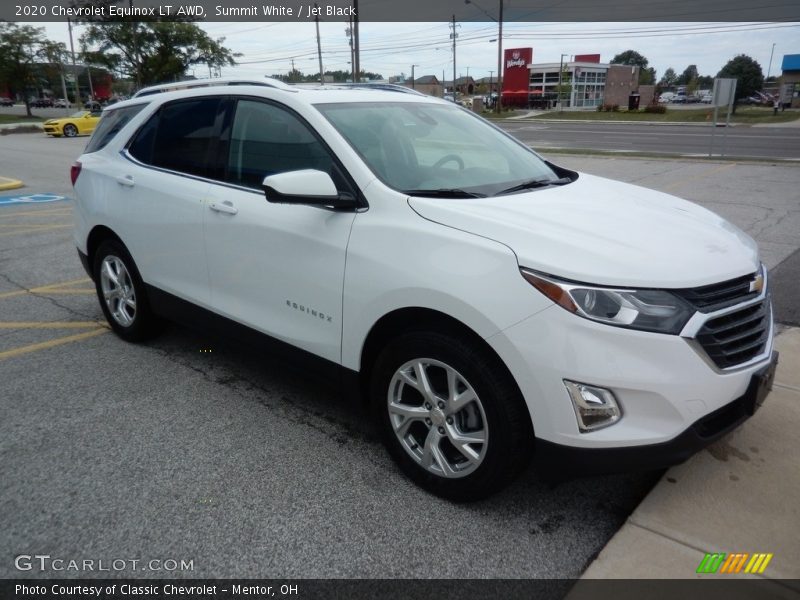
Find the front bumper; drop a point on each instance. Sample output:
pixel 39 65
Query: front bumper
pixel 559 461
pixel 662 382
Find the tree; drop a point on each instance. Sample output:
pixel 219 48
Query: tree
pixel 20 49
pixel 689 74
pixel 747 73
pixel 633 58
pixel 669 78
pixel 153 51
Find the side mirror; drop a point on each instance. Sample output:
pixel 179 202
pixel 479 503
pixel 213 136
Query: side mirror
pixel 307 186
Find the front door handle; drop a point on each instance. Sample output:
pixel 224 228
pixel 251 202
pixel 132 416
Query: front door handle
pixel 126 180
pixel 224 207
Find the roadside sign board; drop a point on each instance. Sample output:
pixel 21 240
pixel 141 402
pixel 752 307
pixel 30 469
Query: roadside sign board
pixel 724 90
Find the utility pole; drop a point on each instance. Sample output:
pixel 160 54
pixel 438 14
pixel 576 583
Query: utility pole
pixel 291 74
pixel 560 73
pixel 454 35
pixel 413 84
pixel 319 50
pixel 357 47
pixel 75 69
pixel 498 104
pixel 349 32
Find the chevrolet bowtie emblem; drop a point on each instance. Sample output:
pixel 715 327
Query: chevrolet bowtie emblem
pixel 757 284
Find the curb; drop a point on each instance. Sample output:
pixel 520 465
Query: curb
pixel 29 127
pixel 7 183
pixel 731 497
pixel 605 122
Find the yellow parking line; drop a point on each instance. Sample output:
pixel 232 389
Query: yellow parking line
pixel 35 229
pixel 52 288
pixel 700 176
pixel 28 213
pixel 51 343
pixel 50 324
pixel 28 225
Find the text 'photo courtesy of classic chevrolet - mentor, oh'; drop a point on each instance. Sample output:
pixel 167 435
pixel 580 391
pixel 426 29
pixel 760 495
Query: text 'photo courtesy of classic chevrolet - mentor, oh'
pixel 489 305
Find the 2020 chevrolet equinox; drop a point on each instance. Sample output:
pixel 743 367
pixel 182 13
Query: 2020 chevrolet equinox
pixel 489 304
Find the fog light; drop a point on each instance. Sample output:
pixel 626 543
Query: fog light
pixel 595 407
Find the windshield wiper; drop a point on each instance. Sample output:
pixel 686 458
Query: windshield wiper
pixel 535 183
pixel 444 193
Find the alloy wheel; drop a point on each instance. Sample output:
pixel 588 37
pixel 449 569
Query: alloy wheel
pixel 438 418
pixel 118 291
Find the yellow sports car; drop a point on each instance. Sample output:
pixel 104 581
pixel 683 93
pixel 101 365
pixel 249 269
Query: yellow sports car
pixel 82 122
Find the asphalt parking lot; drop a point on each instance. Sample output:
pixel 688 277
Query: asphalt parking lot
pixel 189 449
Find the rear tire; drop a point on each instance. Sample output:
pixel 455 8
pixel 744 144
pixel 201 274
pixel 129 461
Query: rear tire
pixel 450 415
pixel 122 294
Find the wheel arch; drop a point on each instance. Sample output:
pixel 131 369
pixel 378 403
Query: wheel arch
pixel 404 320
pixel 98 235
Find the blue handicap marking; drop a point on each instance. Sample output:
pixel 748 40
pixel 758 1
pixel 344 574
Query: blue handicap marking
pixel 30 199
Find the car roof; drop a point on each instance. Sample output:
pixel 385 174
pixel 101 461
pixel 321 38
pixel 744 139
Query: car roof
pixel 308 93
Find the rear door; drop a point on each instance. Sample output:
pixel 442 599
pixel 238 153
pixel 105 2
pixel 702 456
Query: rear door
pixel 164 186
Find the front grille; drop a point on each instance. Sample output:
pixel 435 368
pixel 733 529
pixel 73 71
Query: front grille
pixel 736 337
pixel 716 296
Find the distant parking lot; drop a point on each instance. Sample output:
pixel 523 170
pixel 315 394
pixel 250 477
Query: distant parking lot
pixel 187 448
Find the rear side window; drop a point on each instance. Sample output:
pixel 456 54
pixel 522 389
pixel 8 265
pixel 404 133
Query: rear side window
pixel 180 136
pixel 110 124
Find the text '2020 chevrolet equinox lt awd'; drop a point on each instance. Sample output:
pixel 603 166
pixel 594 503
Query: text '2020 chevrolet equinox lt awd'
pixel 489 304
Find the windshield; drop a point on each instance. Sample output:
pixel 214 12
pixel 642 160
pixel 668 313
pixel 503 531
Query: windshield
pixel 80 113
pixel 421 147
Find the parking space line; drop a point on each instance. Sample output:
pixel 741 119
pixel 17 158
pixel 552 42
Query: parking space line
pixel 29 225
pixel 699 176
pixel 53 288
pixel 34 212
pixel 52 343
pixel 50 324
pixel 35 229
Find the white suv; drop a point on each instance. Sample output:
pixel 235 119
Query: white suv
pixel 489 304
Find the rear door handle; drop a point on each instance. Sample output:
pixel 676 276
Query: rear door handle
pixel 126 180
pixel 224 207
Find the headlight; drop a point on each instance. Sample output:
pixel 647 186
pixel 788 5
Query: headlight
pixel 647 310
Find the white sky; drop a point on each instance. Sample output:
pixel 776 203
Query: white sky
pixel 391 48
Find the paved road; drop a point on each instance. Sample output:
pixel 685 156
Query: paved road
pixel 753 142
pixel 168 451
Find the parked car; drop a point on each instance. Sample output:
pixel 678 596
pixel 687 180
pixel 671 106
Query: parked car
pixel 82 122
pixel 485 301
pixel 706 98
pixel 6 102
pixel 93 105
pixel 61 103
pixel 42 102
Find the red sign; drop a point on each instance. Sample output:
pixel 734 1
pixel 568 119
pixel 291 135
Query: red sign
pixel 590 58
pixel 515 72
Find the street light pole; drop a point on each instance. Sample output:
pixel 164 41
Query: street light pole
pixel 769 68
pixel 560 75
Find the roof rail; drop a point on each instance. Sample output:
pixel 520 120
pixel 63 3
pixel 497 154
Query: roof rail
pixel 172 86
pixel 387 87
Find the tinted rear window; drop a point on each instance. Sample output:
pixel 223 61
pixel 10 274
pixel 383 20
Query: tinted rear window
pixel 180 136
pixel 110 124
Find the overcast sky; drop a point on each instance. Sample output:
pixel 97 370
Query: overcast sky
pixel 391 48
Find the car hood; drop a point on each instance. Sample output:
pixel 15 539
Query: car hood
pixel 600 231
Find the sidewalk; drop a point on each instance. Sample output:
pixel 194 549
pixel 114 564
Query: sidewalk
pixel 739 495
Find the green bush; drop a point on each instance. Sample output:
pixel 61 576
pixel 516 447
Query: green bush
pixel 658 109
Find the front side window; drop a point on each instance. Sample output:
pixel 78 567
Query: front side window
pixel 421 146
pixel 267 139
pixel 180 137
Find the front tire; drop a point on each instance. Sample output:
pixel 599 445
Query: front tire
pixel 450 415
pixel 121 292
pixel 70 130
